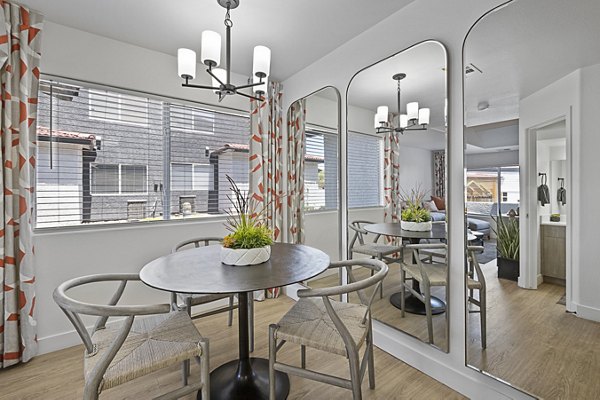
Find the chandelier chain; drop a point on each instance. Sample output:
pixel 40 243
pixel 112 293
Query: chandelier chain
pixel 228 22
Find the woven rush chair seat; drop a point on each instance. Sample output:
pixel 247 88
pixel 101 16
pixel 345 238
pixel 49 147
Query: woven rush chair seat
pixel 375 249
pixel 437 274
pixel 308 323
pixel 153 343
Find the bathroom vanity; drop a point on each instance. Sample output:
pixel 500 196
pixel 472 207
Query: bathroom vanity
pixel 553 251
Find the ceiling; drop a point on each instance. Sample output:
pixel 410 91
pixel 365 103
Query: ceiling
pixel 524 47
pixel 298 33
pixel 425 82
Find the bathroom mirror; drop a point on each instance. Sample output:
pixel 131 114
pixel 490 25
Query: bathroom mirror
pixel 321 111
pixel 392 155
pixel 531 100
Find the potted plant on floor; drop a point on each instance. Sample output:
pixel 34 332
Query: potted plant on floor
pixel 250 240
pixel 507 233
pixel 415 217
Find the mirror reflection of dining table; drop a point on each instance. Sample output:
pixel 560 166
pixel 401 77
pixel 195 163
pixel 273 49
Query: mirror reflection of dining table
pixel 393 229
pixel 200 271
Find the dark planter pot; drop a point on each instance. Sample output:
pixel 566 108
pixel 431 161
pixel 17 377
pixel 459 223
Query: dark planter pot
pixel 508 269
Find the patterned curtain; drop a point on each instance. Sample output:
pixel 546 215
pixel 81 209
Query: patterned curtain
pixel 439 173
pixel 266 162
pixel 19 80
pixel 391 188
pixel 295 166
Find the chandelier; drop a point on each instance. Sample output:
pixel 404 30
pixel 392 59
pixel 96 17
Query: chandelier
pixel 210 55
pixel 415 119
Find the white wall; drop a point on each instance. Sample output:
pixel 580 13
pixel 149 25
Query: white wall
pixel 416 169
pixel 448 22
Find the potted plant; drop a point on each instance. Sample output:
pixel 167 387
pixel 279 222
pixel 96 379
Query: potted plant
pixel 415 217
pixel 507 233
pixel 249 242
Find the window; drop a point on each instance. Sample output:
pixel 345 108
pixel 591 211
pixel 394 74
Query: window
pixel 488 187
pixel 320 171
pixel 187 118
pixel 113 157
pixel 365 170
pixel 119 179
pixel 189 177
pixel 118 107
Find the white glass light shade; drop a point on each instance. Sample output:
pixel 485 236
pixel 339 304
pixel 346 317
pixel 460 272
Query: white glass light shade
pixel 262 61
pixel 424 116
pixel 412 110
pixel 376 121
pixel 403 120
pixel 221 74
pixel 186 63
pixel 260 88
pixel 211 48
pixel 382 113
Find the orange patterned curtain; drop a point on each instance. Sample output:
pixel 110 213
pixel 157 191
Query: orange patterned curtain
pixel 19 80
pixel 295 166
pixel 266 157
pixel 391 188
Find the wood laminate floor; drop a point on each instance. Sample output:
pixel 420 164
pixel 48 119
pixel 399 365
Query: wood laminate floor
pixel 58 375
pixel 534 344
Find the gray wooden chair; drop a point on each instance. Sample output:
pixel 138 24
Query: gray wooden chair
pixel 380 251
pixel 185 301
pixel 319 322
pixel 146 339
pixel 476 281
pixel 427 274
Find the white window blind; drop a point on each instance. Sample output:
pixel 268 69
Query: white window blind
pixel 111 157
pixel 365 170
pixel 321 171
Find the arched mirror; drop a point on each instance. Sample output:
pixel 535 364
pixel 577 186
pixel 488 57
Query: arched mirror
pixel 318 114
pixel 396 151
pixel 532 95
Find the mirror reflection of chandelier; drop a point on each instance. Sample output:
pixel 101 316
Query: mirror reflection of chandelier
pixel 415 119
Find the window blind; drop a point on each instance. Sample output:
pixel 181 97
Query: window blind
pixel 321 171
pixel 365 170
pixel 111 157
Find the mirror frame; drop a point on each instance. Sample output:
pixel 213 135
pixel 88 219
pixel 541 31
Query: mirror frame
pixel 344 237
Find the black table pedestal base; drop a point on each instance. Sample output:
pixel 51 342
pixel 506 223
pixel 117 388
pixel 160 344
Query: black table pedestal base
pixel 240 380
pixel 415 306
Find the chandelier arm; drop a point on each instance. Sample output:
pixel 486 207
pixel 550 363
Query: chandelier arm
pixel 199 86
pixel 215 76
pixel 249 85
pixel 249 96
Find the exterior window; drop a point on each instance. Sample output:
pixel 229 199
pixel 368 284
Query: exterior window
pixel 188 177
pixel 117 107
pixel 489 187
pixel 320 171
pixel 118 179
pixel 110 157
pixel 365 170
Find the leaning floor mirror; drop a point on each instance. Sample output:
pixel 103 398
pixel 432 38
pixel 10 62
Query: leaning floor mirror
pixel 396 147
pixel 317 117
pixel 532 95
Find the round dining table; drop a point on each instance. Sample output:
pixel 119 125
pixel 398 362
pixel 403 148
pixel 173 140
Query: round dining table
pixel 438 231
pixel 200 271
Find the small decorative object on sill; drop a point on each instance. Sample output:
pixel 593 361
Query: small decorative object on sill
pixel 555 218
pixel 415 217
pixel 249 242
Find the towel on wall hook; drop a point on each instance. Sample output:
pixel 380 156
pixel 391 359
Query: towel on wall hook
pixel 543 192
pixel 561 194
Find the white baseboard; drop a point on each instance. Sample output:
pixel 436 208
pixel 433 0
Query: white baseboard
pixel 540 279
pixel 588 312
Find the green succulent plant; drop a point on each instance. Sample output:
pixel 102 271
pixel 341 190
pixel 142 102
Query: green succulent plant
pixel 244 222
pixel 413 209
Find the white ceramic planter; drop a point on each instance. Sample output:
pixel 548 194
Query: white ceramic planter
pixel 416 226
pixel 240 257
